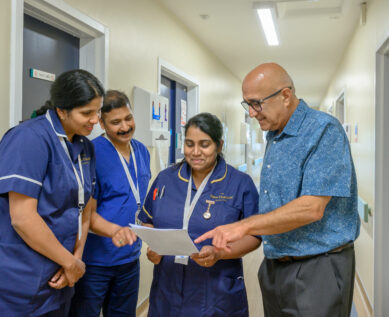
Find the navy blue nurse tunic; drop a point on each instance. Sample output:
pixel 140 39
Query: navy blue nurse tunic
pixel 33 163
pixel 192 290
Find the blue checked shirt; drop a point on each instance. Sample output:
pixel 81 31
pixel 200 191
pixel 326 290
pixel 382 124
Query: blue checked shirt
pixel 311 156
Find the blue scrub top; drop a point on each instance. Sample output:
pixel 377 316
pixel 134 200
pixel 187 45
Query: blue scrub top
pixel 192 290
pixel 115 201
pixel 34 163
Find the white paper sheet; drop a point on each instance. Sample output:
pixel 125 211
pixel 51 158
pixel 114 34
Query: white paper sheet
pixel 166 241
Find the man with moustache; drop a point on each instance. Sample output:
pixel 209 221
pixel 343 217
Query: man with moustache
pixel 308 216
pixel 111 281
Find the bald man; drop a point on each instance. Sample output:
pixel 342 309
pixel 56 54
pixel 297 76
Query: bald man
pixel 308 216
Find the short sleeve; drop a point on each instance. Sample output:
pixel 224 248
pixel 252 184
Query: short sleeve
pixel 250 199
pixel 24 160
pixel 328 170
pixel 146 214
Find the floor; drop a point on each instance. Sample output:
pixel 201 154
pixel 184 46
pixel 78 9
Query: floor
pixel 251 264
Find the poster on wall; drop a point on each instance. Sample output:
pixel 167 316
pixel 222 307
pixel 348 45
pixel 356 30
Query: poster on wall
pixel 225 137
pixel 182 139
pixel 183 112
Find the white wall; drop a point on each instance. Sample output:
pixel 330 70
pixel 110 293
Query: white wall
pixel 356 74
pixel 140 32
pixel 5 61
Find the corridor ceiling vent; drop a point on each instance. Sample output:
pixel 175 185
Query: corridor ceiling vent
pixel 267 14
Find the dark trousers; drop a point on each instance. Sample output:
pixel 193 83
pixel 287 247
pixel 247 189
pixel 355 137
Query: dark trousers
pixel 321 286
pixel 113 289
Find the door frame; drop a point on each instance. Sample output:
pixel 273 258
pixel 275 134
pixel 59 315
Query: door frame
pixel 168 70
pixel 94 40
pixel 381 216
pixel 341 95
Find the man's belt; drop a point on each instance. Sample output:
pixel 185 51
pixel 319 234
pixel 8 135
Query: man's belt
pixel 291 258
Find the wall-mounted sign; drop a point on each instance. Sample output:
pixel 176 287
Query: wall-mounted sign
pixel 40 74
pixel 183 112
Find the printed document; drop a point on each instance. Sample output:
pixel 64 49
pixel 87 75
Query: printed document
pixel 166 241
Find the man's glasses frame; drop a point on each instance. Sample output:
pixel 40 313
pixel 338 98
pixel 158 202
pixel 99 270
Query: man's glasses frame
pixel 257 104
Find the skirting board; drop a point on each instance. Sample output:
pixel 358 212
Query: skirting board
pixel 141 310
pixel 361 300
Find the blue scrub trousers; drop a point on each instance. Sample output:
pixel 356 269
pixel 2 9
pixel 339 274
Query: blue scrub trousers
pixel 111 288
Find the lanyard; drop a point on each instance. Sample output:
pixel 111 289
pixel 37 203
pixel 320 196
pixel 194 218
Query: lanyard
pixel 135 189
pixel 80 181
pixel 189 207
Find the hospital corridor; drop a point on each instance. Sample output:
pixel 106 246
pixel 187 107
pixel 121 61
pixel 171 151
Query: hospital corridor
pixel 181 158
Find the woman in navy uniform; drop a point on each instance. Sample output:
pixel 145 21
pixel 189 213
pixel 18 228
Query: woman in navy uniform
pixel 198 194
pixel 47 171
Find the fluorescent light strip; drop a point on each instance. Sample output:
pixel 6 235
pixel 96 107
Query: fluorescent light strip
pixel 266 18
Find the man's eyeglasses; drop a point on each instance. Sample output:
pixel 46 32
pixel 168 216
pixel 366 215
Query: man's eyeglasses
pixel 257 104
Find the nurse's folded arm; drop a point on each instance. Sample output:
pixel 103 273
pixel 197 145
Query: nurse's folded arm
pixel 86 219
pixel 34 231
pixel 120 236
pixel 59 280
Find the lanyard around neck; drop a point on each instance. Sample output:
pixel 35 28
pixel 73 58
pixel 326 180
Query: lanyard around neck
pixel 80 181
pixel 135 189
pixel 189 206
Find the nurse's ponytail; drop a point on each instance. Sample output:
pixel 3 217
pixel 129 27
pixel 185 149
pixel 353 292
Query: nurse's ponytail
pixel 42 110
pixel 72 89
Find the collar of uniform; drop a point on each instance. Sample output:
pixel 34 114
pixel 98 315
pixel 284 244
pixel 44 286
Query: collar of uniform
pixel 219 173
pixel 75 147
pixel 108 141
pixel 294 122
pixel 55 123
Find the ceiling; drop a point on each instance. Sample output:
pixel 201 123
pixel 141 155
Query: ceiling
pixel 314 34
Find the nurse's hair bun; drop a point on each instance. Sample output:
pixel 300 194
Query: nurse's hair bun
pixel 42 110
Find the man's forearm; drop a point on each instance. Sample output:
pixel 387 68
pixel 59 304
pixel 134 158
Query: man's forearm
pixel 297 213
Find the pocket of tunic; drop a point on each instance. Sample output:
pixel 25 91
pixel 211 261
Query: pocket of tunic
pixel 230 294
pixel 21 275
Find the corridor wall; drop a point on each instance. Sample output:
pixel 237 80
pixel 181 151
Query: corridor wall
pixel 356 75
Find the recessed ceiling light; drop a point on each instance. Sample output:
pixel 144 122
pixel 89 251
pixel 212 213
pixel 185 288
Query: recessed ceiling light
pixel 267 15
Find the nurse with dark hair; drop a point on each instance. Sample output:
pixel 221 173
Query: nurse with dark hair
pixel 47 173
pixel 199 194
